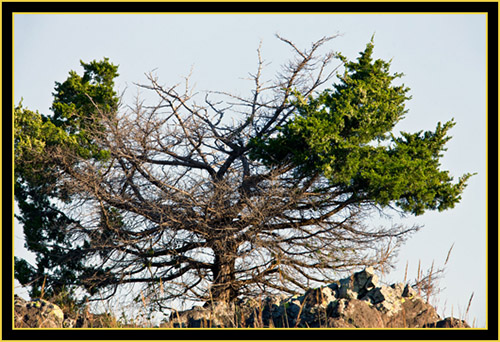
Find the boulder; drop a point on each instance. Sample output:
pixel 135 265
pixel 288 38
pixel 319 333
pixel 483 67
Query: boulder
pixel 414 313
pixel 37 313
pixel 354 313
pixel 320 296
pixel 364 281
pixel 386 299
pixel 40 313
pixel 448 322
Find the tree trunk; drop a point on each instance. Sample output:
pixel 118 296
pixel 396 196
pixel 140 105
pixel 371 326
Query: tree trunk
pixel 224 288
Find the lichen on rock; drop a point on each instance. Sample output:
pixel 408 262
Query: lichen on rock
pixel 37 313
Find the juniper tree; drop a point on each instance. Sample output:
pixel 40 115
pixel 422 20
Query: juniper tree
pixel 177 198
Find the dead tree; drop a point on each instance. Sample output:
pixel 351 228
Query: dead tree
pixel 181 207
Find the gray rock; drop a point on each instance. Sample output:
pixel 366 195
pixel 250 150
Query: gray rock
pixel 409 291
pixel 346 290
pixel 415 313
pixel 364 281
pixel 358 285
pixel 399 288
pixel 320 296
pixel 355 314
pixel 385 299
pixel 448 322
pixel 38 313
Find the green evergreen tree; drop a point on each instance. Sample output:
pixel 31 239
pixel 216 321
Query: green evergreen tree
pixel 77 106
pixel 344 134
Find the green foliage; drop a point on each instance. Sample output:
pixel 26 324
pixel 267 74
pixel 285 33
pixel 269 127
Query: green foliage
pixel 79 104
pixel 22 270
pixel 79 97
pixel 344 134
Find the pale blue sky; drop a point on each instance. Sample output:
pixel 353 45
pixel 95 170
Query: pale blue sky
pixel 443 57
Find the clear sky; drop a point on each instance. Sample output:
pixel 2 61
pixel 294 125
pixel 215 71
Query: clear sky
pixel 443 57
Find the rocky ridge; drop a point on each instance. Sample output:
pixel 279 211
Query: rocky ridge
pixel 358 301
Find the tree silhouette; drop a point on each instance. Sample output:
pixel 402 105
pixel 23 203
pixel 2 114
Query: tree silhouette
pixel 177 197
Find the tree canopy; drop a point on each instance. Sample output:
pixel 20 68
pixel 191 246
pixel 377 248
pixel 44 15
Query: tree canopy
pixel 332 134
pixel 174 197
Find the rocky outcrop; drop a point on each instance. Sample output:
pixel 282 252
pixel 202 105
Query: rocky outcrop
pixel 358 301
pixel 40 313
pixel 354 302
pixel 37 313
